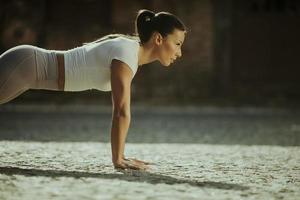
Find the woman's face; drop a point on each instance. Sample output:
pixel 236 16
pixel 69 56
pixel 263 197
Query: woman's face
pixel 170 48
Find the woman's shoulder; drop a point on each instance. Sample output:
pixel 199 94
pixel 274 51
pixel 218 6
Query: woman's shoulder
pixel 124 41
pixel 126 50
pixel 115 41
pixel 126 46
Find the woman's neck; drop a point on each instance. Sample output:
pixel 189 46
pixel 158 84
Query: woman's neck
pixel 146 54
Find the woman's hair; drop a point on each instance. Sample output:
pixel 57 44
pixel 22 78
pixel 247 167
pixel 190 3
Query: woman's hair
pixel 148 22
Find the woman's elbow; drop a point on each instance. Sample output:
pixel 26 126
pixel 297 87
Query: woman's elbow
pixel 121 112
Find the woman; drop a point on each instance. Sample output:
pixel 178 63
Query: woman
pixel 108 64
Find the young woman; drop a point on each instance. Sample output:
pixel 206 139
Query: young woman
pixel 108 64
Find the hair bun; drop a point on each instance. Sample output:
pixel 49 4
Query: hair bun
pixel 145 15
pixel 143 23
pixel 147 19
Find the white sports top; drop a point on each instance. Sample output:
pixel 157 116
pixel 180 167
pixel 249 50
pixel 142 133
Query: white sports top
pixel 88 66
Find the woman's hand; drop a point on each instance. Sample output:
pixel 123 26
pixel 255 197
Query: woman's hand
pixel 139 161
pixel 130 163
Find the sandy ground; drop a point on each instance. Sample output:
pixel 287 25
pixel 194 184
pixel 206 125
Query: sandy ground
pixel 70 170
pixel 50 152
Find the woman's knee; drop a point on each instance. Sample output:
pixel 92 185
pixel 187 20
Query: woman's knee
pixel 10 90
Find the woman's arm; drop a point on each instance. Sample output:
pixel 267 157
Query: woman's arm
pixel 121 77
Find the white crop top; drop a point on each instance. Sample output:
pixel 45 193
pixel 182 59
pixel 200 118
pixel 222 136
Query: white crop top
pixel 88 66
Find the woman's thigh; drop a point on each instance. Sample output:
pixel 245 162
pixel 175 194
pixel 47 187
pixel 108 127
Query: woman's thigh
pixel 17 72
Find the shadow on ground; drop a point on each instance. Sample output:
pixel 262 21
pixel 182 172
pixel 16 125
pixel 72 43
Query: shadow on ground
pixel 131 176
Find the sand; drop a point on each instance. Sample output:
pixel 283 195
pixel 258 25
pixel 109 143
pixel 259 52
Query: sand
pixel 83 170
pixel 63 152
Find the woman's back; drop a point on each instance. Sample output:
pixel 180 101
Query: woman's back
pixel 88 66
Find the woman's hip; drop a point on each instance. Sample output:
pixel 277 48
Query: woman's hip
pixel 45 67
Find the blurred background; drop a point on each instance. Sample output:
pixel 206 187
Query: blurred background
pixel 241 56
pixel 236 52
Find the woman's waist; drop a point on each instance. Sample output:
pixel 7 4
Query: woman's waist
pixel 77 74
pixel 70 64
pixel 61 70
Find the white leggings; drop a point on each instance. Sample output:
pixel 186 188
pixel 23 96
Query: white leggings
pixel 27 67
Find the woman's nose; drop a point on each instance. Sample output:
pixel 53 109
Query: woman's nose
pixel 178 54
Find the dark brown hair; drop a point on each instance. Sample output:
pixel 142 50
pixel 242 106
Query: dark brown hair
pixel 148 22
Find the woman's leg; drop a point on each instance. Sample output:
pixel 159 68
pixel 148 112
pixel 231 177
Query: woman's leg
pixel 26 67
pixel 17 72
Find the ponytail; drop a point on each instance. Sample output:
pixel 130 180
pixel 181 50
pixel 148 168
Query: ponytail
pixel 144 25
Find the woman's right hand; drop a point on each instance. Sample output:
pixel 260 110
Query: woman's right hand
pixel 130 164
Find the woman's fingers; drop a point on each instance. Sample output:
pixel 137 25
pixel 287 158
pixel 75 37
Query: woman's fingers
pixel 141 165
pixel 136 165
pixel 130 164
pixel 139 161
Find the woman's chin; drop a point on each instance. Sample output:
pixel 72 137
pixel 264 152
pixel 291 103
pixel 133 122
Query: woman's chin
pixel 167 64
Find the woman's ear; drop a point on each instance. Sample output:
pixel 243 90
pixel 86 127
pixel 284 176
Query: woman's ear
pixel 158 39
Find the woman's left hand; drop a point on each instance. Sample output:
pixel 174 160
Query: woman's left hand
pixel 138 161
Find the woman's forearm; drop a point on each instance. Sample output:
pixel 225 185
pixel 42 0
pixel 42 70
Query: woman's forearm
pixel 120 126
